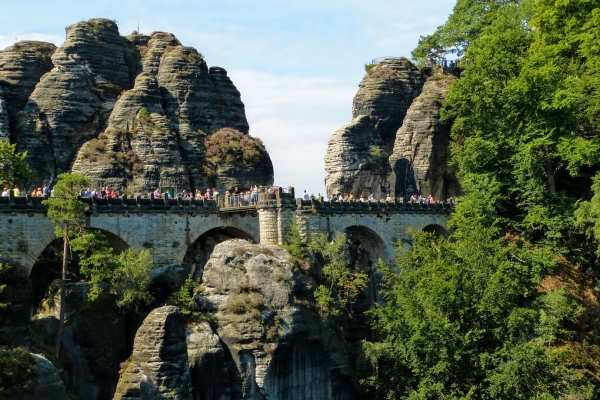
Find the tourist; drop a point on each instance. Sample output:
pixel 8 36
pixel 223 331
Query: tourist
pixel 388 198
pixel 214 193
pixel 255 195
pixel 333 197
pixel 5 192
pixel 47 191
pixel 88 192
pixel 236 196
pixel 430 199
pixel 305 195
pixel 198 194
pixel 103 193
pixel 33 193
pixel 16 191
pixel 361 199
pixel 371 198
pixel 108 192
pixel 351 197
pixel 451 200
pixel 157 193
pixel 414 198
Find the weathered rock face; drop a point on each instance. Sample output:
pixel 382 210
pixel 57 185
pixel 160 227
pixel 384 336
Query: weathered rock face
pixel 395 144
pixel 21 67
pixel 420 161
pixel 356 159
pixel 385 93
pixel 48 384
pixel 71 104
pixel 4 124
pixel 94 339
pixel 158 367
pixel 271 345
pixel 155 100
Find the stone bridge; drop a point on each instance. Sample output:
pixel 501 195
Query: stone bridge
pixel 169 227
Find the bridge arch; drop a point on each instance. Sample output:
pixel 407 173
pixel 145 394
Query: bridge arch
pixel 198 253
pixel 122 238
pixel 372 243
pixel 232 226
pixel 437 230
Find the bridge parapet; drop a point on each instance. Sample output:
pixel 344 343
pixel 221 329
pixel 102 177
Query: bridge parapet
pixel 376 207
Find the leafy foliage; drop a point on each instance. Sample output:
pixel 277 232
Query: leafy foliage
pixel 508 306
pixel 466 23
pixel 13 167
pixel 183 297
pixel 133 278
pixel 65 206
pixel 229 146
pixel 16 371
pixel 345 282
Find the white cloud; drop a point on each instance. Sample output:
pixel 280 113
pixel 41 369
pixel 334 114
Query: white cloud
pixel 295 116
pixel 6 41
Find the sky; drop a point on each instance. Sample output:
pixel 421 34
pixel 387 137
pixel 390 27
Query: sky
pixel 297 64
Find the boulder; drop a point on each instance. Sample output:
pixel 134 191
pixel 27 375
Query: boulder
pixel 158 366
pixel 48 384
pixel 420 162
pixel 275 346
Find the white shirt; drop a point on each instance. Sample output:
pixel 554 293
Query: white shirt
pixel 5 193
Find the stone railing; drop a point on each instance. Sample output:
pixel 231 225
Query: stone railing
pixel 375 207
pixel 225 204
pixel 115 205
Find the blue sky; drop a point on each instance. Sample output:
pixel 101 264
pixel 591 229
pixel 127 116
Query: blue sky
pixel 297 64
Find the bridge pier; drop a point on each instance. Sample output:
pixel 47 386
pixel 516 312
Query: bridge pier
pixel 276 214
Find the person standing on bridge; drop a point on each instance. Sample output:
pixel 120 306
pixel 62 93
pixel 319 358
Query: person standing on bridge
pixel 255 195
pixel 305 195
pixel 157 193
pixel 5 192
pixel 16 191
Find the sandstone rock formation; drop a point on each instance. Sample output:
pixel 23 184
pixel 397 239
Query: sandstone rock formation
pixel 48 384
pixel 356 158
pixel 21 67
pixel 132 113
pixel 158 367
pixel 266 338
pixel 385 93
pixel 94 339
pixel 420 160
pixel 4 123
pixel 395 144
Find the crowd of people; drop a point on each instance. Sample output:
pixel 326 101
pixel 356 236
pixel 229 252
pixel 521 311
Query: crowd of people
pixel 442 62
pixel 415 198
pixel 39 192
pixel 234 197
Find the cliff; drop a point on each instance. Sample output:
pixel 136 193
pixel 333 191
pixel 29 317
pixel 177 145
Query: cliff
pixel 133 113
pixel 395 144
pixel 420 161
pixel 252 335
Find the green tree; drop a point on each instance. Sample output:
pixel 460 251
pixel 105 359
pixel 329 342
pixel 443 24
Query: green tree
pixel 13 167
pixel 344 282
pixel 129 272
pixel 466 23
pixel 132 277
pixel 67 213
